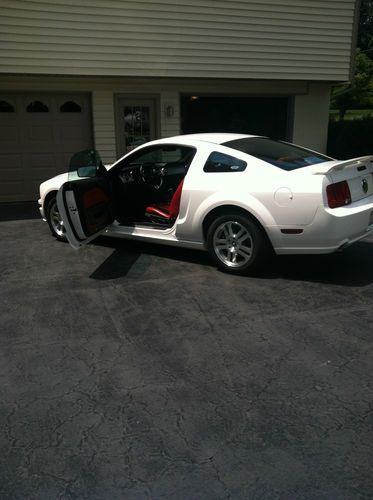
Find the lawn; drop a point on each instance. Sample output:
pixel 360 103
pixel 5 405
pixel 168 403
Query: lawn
pixel 351 114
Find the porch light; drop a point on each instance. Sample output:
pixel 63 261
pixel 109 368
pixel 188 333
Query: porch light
pixel 169 111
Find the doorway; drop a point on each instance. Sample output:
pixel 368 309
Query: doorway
pixel 137 121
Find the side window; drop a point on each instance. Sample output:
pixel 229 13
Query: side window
pixel 162 156
pixel 220 162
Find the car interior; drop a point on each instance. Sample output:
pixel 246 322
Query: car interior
pixel 147 185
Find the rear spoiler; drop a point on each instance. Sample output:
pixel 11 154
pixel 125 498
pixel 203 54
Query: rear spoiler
pixel 332 166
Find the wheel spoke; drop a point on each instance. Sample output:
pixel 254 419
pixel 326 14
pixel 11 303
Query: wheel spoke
pixel 240 233
pixel 243 238
pixel 230 229
pixel 244 255
pixel 245 249
pixel 225 231
pixel 230 255
pixel 221 241
pixel 222 246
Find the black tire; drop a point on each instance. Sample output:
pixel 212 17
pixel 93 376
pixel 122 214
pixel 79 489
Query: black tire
pixel 237 244
pixel 52 214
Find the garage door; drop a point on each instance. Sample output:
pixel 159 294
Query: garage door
pixel 248 115
pixel 38 135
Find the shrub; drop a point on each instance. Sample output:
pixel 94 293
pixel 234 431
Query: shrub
pixel 350 138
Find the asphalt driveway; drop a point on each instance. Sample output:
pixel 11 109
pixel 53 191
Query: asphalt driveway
pixel 132 371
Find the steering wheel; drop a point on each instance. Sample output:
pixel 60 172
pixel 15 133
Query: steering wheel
pixel 152 175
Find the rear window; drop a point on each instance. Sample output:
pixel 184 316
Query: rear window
pixel 281 154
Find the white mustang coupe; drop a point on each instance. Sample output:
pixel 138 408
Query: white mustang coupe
pixel 238 196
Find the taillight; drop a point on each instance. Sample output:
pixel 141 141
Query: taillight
pixel 338 194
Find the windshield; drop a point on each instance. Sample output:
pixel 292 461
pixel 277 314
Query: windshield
pixel 281 154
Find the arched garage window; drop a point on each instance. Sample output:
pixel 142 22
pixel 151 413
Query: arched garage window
pixel 6 107
pixel 37 107
pixel 70 107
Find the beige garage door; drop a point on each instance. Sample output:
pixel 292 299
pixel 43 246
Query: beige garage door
pixel 38 135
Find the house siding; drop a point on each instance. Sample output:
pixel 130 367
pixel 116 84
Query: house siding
pixel 268 39
pixel 104 124
pixel 311 117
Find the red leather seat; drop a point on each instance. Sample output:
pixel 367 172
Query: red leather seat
pixel 166 212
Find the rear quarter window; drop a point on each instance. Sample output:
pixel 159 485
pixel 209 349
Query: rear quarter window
pixel 220 162
pixel 280 154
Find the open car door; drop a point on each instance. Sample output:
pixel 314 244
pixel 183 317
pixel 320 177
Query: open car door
pixel 85 204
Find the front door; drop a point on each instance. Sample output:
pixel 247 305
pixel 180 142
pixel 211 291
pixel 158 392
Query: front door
pixel 136 121
pixel 85 202
pixel 86 209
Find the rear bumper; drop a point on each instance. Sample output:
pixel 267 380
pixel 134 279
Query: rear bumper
pixel 331 230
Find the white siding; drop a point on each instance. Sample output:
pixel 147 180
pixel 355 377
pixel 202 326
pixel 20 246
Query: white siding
pixel 104 125
pixel 170 125
pixel 311 117
pixel 282 39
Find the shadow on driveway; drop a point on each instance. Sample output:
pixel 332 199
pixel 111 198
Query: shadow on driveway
pixel 19 211
pixel 351 267
pixel 126 253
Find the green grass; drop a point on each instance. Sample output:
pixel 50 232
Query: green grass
pixel 351 114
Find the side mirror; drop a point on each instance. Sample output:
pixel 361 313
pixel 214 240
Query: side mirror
pixel 86 164
pixel 90 171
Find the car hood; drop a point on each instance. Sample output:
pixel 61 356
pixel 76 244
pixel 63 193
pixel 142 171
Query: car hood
pixel 53 184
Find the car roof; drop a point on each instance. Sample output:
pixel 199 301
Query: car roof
pixel 190 139
pixel 212 137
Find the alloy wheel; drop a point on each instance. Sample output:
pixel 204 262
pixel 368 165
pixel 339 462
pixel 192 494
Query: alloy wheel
pixel 56 220
pixel 233 244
